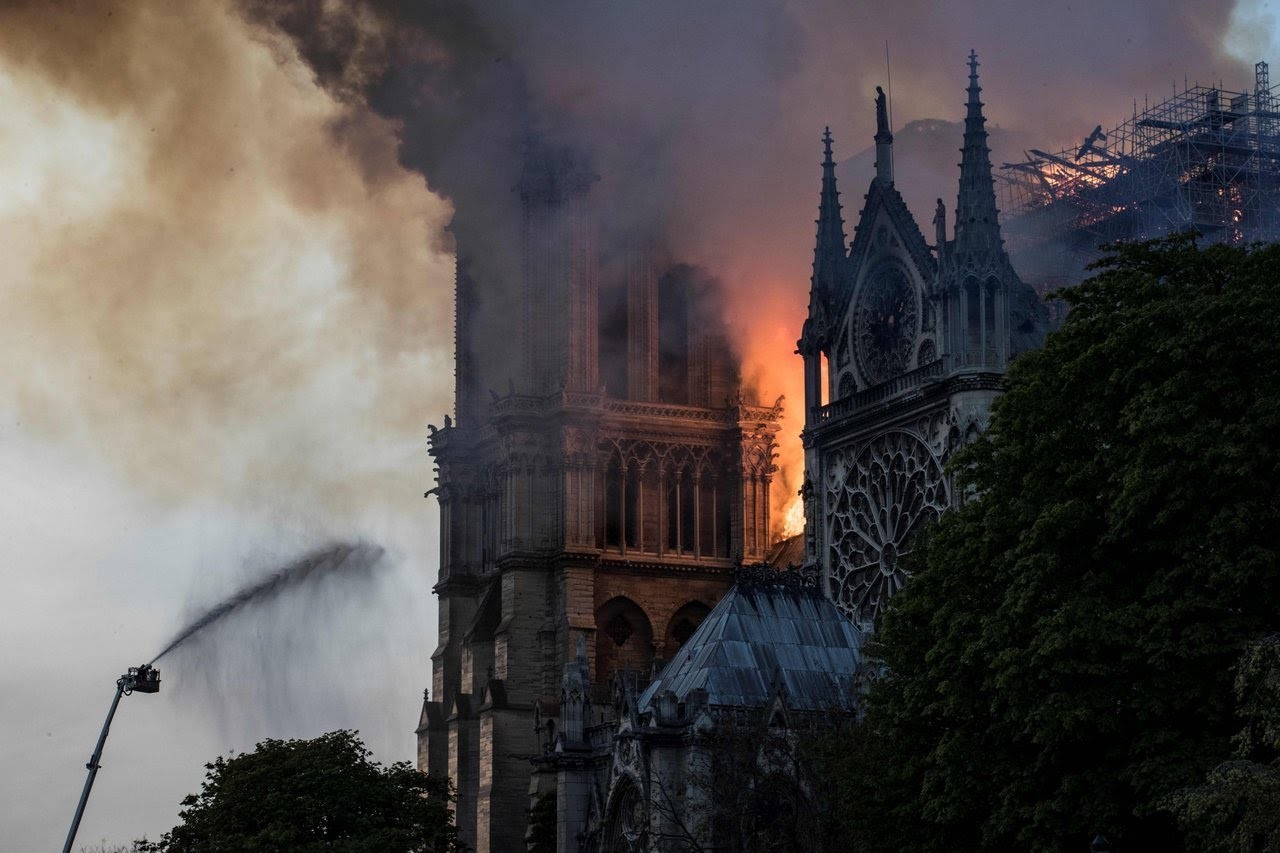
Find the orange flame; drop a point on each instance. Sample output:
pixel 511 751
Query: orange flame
pixel 793 518
pixel 770 365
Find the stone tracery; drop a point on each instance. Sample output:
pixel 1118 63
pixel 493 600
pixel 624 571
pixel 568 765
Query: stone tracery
pixel 665 498
pixel 877 497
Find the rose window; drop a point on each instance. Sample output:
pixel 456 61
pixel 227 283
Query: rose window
pixel 885 325
pixel 877 498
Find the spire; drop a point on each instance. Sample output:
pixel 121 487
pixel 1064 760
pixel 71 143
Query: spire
pixel 884 141
pixel 829 253
pixel 976 227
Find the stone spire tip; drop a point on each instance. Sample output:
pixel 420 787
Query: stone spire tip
pixel 974 88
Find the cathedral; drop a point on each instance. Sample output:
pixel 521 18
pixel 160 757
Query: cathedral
pixel 905 348
pixel 605 484
pixel 603 478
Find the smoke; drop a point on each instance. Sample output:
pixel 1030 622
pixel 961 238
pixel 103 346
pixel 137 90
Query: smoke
pixel 702 121
pixel 227 322
pixel 223 277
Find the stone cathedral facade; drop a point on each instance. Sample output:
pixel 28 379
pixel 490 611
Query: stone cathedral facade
pixel 603 478
pixel 905 348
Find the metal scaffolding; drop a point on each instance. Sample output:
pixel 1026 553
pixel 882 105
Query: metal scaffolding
pixel 1207 159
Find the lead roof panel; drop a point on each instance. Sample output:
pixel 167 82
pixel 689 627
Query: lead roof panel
pixel 763 638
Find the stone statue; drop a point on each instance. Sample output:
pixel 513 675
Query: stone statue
pixel 882 112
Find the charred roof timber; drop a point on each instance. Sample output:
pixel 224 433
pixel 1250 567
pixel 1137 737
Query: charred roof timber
pixel 1207 159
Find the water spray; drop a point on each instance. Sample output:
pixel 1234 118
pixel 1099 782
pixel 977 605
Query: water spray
pixel 352 559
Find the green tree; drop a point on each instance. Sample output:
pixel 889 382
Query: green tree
pixel 1237 809
pixel 320 794
pixel 1061 661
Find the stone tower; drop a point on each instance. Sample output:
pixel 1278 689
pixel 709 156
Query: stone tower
pixel 602 480
pixel 905 348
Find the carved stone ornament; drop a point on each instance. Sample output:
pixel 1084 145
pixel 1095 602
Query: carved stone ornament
pixel 792 577
pixel 628 762
pixel 877 497
pixel 885 322
pixel 619 630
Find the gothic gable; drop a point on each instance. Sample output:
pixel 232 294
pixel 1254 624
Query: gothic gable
pixel 885 206
pixel 886 324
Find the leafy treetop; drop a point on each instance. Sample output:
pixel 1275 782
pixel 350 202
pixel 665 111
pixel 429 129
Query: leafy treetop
pixel 1062 659
pixel 311 795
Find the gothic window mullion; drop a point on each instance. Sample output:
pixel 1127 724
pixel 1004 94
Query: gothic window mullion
pixel 679 511
pixel 623 532
pixel 640 508
pixel 663 509
pixel 697 515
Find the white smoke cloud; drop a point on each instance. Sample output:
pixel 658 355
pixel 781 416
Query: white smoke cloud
pixel 227 324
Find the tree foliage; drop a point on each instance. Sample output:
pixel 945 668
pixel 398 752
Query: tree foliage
pixel 1237 809
pixel 1062 659
pixel 311 795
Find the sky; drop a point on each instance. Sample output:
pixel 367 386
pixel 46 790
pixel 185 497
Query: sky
pixel 227 233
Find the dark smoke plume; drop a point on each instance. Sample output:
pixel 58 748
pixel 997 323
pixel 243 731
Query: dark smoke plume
pixel 351 560
pixel 480 91
pixel 702 120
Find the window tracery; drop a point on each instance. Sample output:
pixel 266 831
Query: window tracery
pixel 628 824
pixel 624 640
pixel 927 354
pixel 885 323
pixel 877 497
pixel 618 629
pixel 666 498
pixel 683 623
pixel 847 386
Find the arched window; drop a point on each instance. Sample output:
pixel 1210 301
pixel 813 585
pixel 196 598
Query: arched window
pixel 624 639
pixel 613 340
pixel 824 379
pixel 991 342
pixel 847 386
pixel 928 353
pixel 708 485
pixel 627 827
pixel 681 503
pixel 682 625
pixel 613 504
pixel 631 499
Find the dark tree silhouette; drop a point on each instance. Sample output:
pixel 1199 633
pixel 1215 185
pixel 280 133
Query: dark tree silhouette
pixel 1063 658
pixel 311 795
